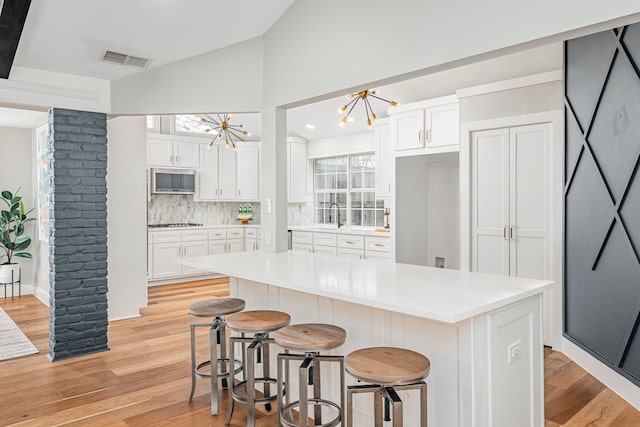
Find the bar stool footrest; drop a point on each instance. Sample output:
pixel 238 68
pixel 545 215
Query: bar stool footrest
pixel 223 374
pixel 258 400
pixel 288 409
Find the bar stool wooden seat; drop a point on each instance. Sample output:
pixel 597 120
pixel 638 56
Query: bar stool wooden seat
pixel 310 339
pixel 387 370
pixel 259 323
pixel 215 309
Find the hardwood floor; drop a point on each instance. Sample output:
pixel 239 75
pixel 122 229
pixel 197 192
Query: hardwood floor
pixel 144 380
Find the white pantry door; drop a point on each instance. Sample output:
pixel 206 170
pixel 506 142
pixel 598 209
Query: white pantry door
pixel 510 208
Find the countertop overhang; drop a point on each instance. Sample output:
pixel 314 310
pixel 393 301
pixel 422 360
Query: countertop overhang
pixel 448 296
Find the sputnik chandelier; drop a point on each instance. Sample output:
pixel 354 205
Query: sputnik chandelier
pixel 232 133
pixel 364 96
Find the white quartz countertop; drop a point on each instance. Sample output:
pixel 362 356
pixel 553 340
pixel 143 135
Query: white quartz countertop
pixel 448 296
pixel 203 227
pixel 362 231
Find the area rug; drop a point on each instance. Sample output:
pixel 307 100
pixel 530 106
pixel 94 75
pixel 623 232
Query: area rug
pixel 13 343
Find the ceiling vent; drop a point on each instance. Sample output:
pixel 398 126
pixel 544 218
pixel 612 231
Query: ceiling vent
pixel 124 59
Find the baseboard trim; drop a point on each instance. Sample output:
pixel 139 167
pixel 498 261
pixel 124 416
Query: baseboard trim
pixel 183 279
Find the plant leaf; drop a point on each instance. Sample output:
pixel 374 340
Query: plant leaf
pixel 19 229
pixel 22 245
pixel 23 255
pixel 7 195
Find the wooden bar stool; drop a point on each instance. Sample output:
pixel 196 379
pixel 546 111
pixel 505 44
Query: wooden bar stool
pixel 387 370
pixel 215 309
pixel 259 323
pixel 310 339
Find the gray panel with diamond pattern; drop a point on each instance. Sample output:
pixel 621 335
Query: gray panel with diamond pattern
pixel 602 197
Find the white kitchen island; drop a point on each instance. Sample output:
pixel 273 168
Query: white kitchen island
pixel 482 333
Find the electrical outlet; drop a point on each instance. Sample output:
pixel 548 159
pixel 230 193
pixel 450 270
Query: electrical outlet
pixel 513 352
pixel 268 203
pixel 439 262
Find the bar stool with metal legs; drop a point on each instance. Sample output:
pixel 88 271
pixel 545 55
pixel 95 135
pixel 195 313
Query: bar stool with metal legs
pixel 259 323
pixel 387 370
pixel 215 309
pixel 310 339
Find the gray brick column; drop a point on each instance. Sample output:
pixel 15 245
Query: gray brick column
pixel 77 233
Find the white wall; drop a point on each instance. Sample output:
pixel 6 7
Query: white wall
pixel 226 80
pixel 16 160
pixel 340 145
pixel 126 216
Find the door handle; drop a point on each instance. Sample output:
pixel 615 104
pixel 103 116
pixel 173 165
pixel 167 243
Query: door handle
pixel 504 232
pixel 511 234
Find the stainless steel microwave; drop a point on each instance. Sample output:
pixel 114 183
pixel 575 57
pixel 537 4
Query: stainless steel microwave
pixel 173 181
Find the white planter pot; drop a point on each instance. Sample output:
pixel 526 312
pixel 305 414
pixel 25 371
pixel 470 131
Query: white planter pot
pixel 5 273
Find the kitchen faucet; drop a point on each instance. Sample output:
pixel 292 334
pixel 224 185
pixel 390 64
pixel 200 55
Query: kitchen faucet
pixel 338 210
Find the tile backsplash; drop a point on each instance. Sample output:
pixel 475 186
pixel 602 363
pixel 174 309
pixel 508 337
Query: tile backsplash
pixel 300 214
pixel 165 208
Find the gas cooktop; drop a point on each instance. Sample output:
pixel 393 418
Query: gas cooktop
pixel 177 224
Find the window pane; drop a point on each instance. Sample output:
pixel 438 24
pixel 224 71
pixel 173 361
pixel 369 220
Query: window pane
pixel 356 200
pixel 368 218
pixel 341 181
pixel 369 180
pixel 356 217
pixel 379 218
pixel 368 199
pixel 341 164
pixel 190 123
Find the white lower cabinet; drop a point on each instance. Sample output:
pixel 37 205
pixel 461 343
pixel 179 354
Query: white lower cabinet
pixel 347 245
pixel 167 246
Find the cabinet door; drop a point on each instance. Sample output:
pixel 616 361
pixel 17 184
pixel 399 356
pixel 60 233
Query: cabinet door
pixel 208 174
pixel 235 245
pixel 159 152
pixel 331 250
pixel 186 154
pixel 407 130
pixel 529 245
pixel 351 253
pixel 251 245
pixel 302 247
pixel 384 161
pixel 248 173
pixel 227 176
pixel 164 256
pixel 191 249
pixel 442 125
pixel 217 247
pixel 297 172
pixel 490 201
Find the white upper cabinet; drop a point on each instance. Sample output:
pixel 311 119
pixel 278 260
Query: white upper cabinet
pixel 217 175
pixel 167 152
pixel 408 129
pixel 296 170
pixel 248 173
pixel 425 127
pixel 384 159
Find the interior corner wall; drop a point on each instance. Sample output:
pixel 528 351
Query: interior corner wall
pixel 126 216
pixel 224 80
pixel 16 152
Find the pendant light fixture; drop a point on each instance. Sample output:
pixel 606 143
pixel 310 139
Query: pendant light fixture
pixel 232 133
pixel 364 96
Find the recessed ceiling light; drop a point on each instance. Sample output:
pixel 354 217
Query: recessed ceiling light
pixel 310 126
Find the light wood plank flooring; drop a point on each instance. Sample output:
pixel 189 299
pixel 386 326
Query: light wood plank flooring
pixel 144 380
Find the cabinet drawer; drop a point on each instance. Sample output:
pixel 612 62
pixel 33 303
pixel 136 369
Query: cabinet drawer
pixel 332 250
pixel 378 256
pixel 378 244
pixel 251 233
pixel 302 247
pixel 235 233
pixel 163 237
pixel 302 237
pixel 325 239
pixel 217 234
pixel 354 242
pixel 351 253
pixel 194 235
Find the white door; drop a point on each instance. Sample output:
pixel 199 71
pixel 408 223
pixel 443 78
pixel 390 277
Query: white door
pixel 186 154
pixel 297 179
pixel 384 161
pixel 490 201
pixel 442 125
pixel 208 174
pixel 407 130
pixel 248 173
pixel 159 152
pixel 235 245
pixel 529 201
pixel 164 256
pixel 191 249
pixel 217 247
pixel 228 181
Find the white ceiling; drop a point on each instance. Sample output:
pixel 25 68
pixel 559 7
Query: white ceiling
pixel 68 36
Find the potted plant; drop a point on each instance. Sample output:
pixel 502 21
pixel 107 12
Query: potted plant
pixel 13 242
